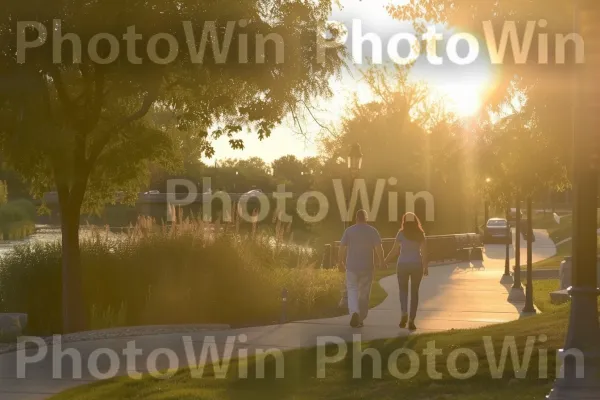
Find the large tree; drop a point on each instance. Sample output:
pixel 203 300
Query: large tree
pixel 403 135
pixel 536 90
pixel 521 73
pixel 73 123
pixel 516 155
pixel 287 170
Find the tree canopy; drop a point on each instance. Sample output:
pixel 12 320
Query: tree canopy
pixel 545 86
pixel 153 79
pixel 69 120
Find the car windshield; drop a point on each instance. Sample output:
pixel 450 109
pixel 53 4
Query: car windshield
pixel 497 222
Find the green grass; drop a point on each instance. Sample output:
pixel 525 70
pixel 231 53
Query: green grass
pixel 541 221
pixel 541 294
pixel 562 231
pixel 558 233
pixel 300 382
pixel 562 251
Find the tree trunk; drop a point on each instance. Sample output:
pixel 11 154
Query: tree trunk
pixel 73 304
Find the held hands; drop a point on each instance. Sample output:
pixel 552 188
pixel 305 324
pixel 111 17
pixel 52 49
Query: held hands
pixel 385 263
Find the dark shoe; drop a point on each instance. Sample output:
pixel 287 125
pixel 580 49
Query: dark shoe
pixel 412 326
pixel 403 322
pixel 354 320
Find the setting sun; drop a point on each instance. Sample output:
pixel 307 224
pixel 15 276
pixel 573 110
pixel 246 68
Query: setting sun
pixel 464 100
pixel 465 95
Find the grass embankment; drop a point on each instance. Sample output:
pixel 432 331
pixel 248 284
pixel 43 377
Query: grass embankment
pixel 541 294
pixel 558 233
pixel 300 371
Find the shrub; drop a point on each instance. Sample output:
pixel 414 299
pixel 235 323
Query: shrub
pixel 169 275
pixel 17 219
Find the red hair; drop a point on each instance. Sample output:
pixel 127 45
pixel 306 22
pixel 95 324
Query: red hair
pixel 411 227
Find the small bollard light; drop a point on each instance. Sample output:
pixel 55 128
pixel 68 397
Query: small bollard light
pixel 284 298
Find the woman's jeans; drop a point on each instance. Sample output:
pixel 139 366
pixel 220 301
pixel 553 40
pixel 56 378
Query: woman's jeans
pixel 409 274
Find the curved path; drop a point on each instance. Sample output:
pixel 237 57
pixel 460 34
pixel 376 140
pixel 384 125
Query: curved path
pixel 455 296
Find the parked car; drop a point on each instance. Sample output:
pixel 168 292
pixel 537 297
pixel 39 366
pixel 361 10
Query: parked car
pixel 496 231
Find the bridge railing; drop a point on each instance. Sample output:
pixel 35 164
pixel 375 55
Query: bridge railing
pixel 440 248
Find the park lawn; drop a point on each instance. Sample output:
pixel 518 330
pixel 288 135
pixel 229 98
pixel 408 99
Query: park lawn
pixel 559 232
pixel 541 221
pixel 300 381
pixel 562 251
pixel 541 294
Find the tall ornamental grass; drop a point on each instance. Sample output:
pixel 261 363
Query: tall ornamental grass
pixel 187 273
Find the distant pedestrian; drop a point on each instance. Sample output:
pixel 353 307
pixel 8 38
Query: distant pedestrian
pixel 410 247
pixel 357 249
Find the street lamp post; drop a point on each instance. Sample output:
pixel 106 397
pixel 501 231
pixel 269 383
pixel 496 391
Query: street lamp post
pixel 517 275
pixel 486 211
pixel 516 293
pixel 584 331
pixel 508 236
pixel 529 308
pixel 354 159
pixel 486 205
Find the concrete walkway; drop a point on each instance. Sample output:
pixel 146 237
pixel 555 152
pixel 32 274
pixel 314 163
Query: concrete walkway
pixel 456 296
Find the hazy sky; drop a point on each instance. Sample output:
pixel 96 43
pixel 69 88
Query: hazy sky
pixel 461 86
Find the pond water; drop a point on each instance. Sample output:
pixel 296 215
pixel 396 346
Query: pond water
pixel 47 233
pixel 43 234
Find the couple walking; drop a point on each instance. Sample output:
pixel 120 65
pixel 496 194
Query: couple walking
pixel 358 244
